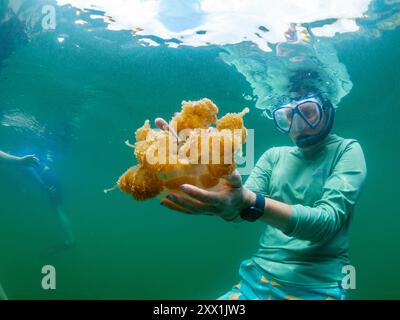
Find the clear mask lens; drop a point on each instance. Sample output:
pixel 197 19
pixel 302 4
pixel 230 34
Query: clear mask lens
pixel 283 118
pixel 310 112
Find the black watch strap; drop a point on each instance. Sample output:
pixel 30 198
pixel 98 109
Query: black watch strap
pixel 255 211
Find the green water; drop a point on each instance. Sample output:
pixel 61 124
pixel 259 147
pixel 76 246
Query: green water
pixel 87 101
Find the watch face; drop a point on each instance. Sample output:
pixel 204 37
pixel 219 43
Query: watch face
pixel 251 214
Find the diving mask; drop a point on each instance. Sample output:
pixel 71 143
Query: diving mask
pixel 298 114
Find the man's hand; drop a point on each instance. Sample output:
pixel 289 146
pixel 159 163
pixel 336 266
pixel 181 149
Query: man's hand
pixel 226 203
pixel 28 161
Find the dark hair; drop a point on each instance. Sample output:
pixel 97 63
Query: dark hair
pixel 304 80
pixel 327 104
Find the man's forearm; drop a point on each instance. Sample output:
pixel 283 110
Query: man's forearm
pixel 276 213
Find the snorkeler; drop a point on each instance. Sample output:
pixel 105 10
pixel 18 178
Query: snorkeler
pixel 305 195
pixel 49 182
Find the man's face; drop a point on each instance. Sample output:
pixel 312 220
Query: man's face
pixel 300 127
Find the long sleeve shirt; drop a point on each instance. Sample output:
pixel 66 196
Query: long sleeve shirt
pixel 322 185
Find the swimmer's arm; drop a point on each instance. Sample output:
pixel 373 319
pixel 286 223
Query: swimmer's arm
pixel 276 213
pixel 314 223
pixel 28 160
pixel 234 197
pixel 8 158
pixel 325 217
pixel 341 191
pixel 322 220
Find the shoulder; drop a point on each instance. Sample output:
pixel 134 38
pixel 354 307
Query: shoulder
pixel 351 155
pixel 272 155
pixel 350 145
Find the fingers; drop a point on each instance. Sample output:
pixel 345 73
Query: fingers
pixel 29 160
pixel 208 197
pixel 31 156
pixel 190 205
pixel 171 205
pixel 163 125
pixel 234 180
pixel 35 159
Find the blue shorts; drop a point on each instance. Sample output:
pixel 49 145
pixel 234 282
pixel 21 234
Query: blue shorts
pixel 255 285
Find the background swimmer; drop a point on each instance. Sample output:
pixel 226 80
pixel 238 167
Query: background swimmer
pixel 49 182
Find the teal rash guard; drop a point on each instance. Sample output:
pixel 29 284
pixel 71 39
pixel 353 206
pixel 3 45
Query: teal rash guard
pixel 322 185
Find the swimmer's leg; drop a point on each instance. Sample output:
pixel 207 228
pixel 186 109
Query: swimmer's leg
pixel 55 198
pixel 68 241
pixel 52 186
pixel 69 237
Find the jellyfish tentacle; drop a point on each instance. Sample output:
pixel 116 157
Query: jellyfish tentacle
pixel 130 145
pixel 110 189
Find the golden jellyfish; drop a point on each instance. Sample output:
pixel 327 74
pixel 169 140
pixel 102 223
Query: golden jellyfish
pixel 195 147
pixel 195 114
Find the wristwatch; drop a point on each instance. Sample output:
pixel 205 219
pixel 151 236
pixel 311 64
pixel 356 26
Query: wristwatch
pixel 255 211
